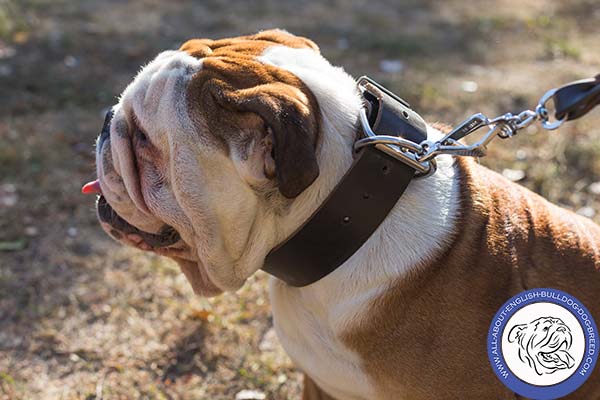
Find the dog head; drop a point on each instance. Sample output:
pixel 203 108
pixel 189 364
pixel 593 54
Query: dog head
pixel 544 344
pixel 214 153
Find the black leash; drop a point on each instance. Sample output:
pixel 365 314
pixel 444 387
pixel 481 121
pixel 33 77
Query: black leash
pixel 392 150
pixel 576 99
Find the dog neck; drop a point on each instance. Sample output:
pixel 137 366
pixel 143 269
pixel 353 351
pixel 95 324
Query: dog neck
pixel 417 228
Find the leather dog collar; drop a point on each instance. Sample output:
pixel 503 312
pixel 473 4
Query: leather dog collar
pixel 360 201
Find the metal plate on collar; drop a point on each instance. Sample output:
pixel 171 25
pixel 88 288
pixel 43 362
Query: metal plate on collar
pixel 391 115
pixel 392 126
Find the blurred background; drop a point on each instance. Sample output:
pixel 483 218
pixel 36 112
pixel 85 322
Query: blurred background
pixel 84 318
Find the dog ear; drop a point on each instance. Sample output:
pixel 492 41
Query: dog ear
pixel 234 78
pixel 288 116
pixel 516 333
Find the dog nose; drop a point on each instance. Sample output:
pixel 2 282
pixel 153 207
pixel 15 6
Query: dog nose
pixel 94 186
pixel 105 133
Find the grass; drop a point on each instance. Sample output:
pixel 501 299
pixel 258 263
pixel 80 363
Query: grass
pixel 82 317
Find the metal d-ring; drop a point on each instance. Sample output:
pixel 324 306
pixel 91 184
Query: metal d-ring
pixel 542 112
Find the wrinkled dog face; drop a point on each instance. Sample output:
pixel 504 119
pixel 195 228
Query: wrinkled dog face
pixel 544 344
pixel 206 147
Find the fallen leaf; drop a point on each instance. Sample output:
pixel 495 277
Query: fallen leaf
pixel 250 395
pixel 201 315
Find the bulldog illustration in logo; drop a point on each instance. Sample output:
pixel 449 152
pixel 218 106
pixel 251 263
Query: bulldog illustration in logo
pixel 544 344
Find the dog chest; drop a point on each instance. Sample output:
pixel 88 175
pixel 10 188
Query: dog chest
pixel 309 337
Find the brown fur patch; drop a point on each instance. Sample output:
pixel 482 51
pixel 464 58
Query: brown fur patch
pixel 251 45
pixel 425 338
pixel 234 88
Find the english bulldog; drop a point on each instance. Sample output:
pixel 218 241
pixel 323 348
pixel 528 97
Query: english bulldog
pixel 544 344
pixel 217 152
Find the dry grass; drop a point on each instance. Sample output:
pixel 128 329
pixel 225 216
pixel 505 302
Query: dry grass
pixel 82 317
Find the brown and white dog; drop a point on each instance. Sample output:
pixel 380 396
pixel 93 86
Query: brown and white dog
pixel 234 143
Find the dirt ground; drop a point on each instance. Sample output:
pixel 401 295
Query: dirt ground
pixel 83 318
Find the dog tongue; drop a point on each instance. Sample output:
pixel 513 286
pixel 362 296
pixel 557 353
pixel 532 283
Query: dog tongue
pixel 92 187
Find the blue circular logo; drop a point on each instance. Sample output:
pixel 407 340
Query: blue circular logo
pixel 542 343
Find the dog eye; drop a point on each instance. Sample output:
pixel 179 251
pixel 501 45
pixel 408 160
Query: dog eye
pixel 546 329
pixel 141 136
